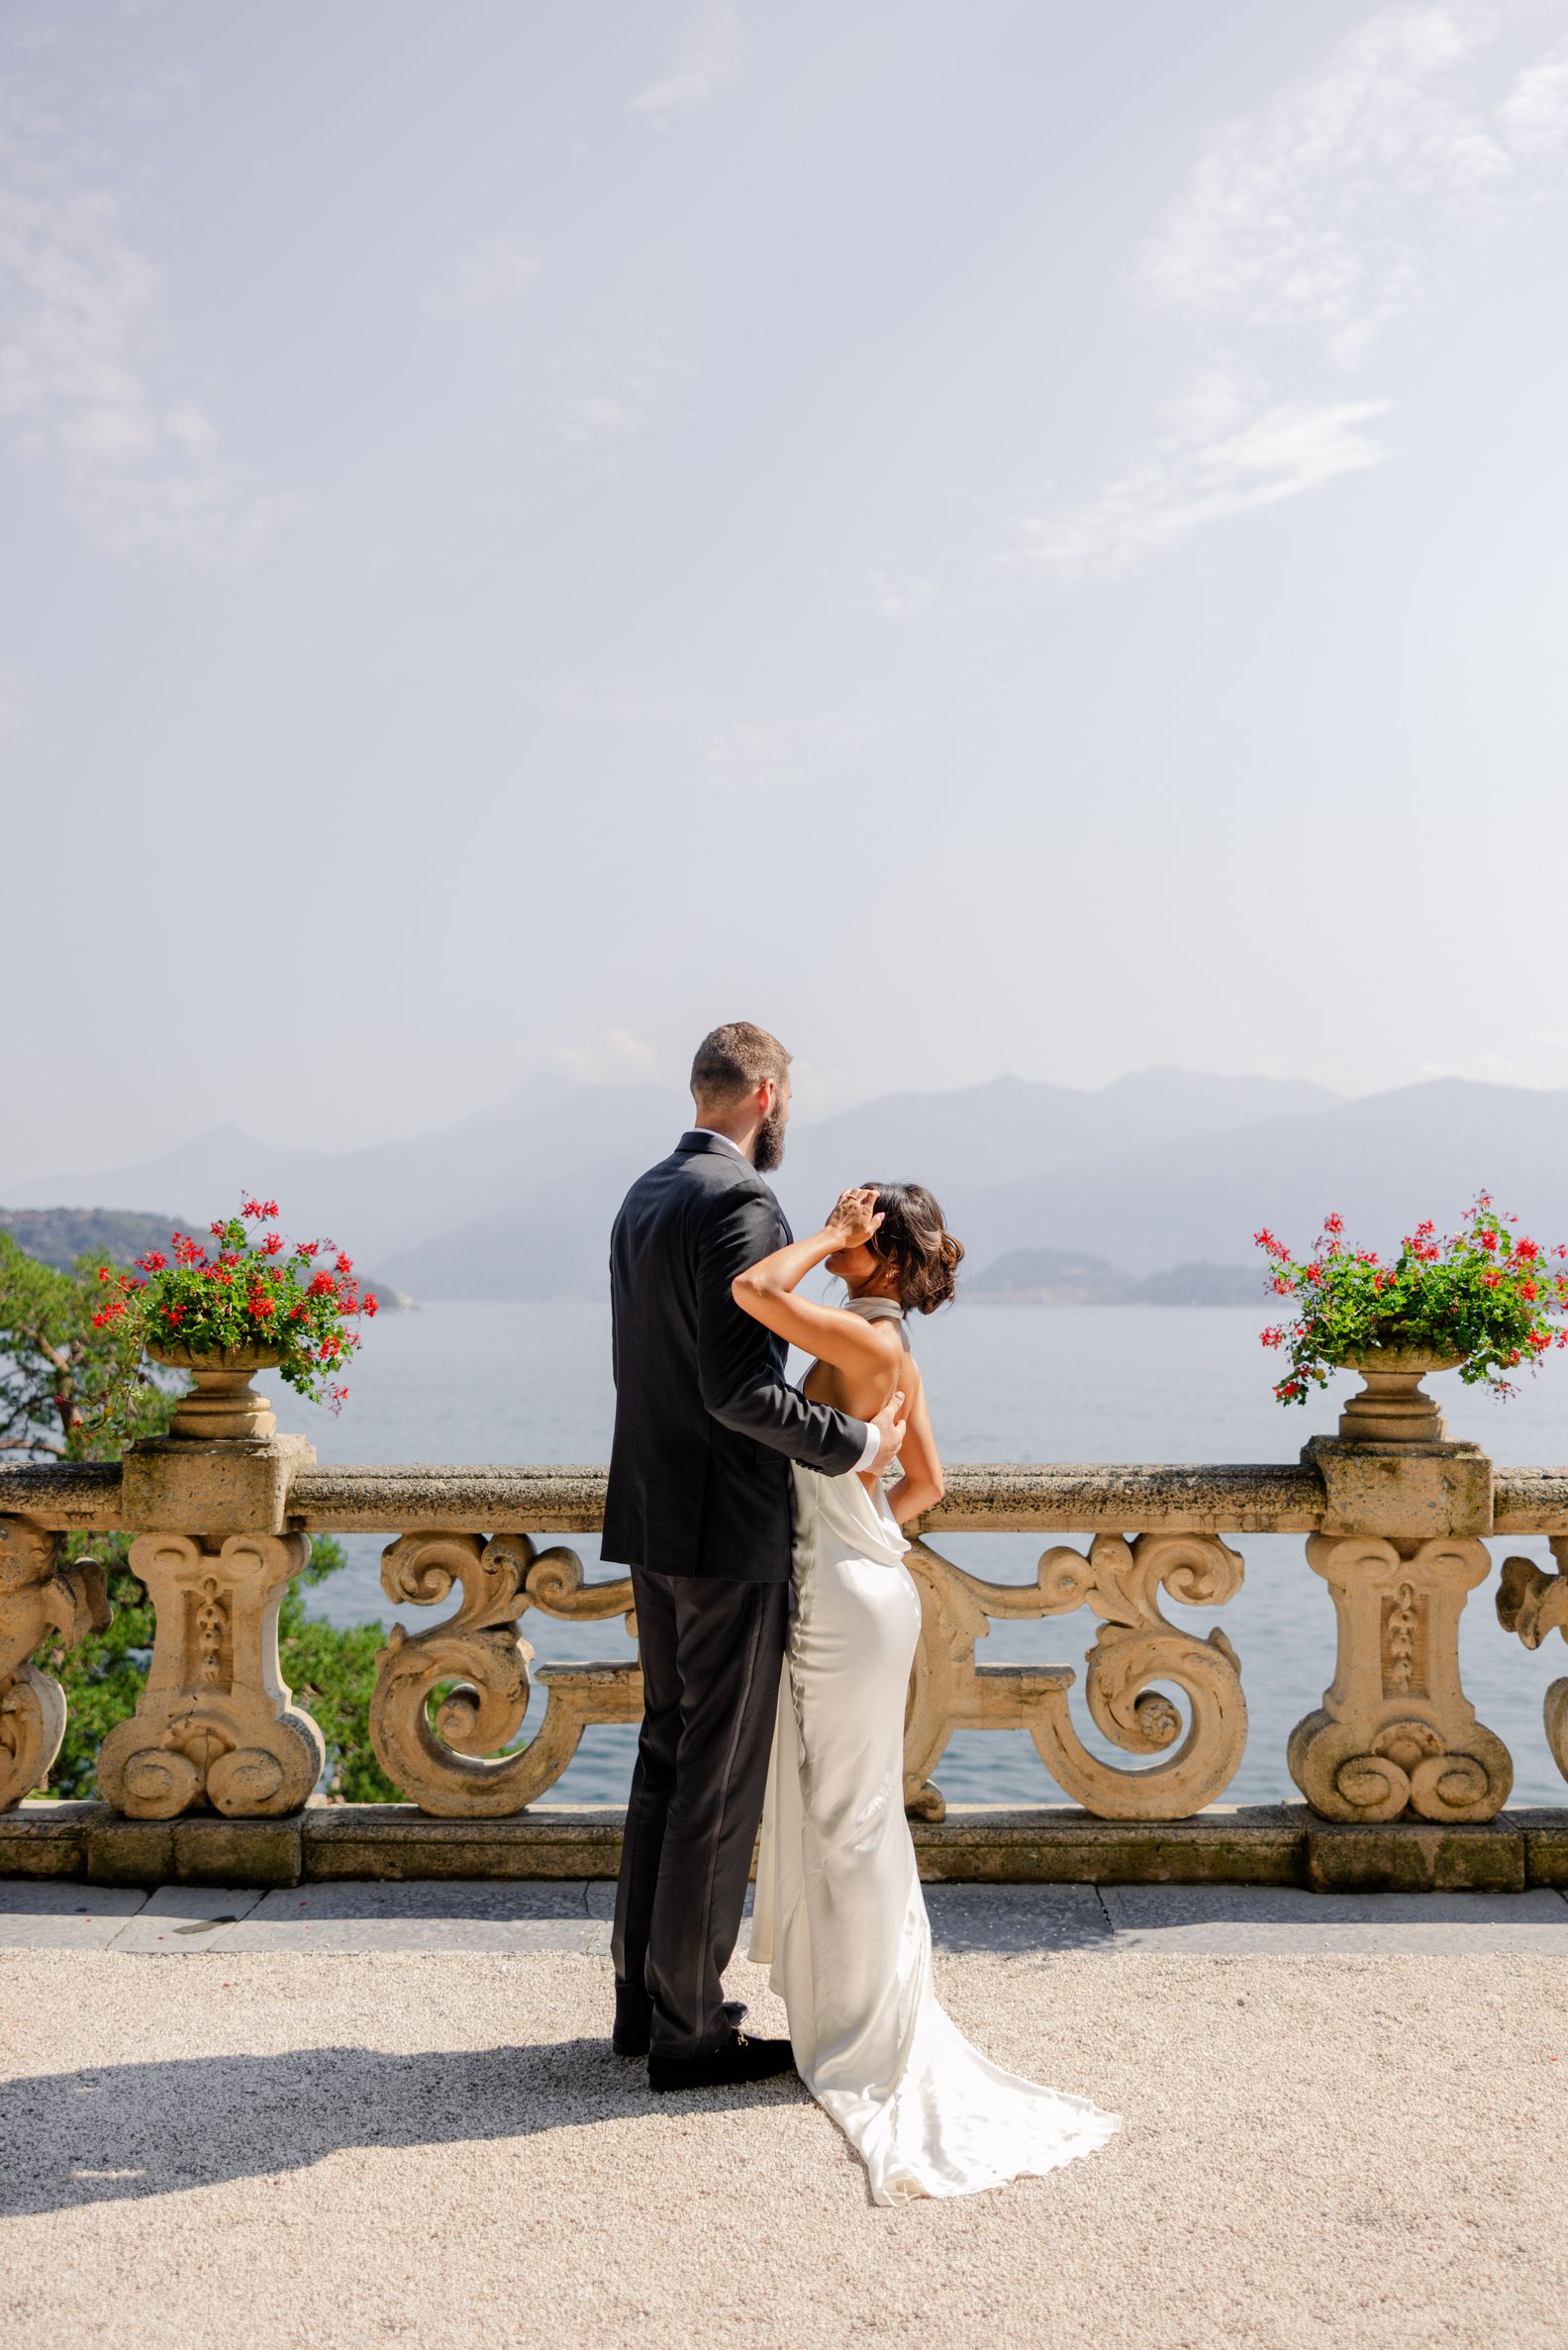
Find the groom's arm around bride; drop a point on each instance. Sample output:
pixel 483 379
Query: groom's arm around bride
pixel 698 1508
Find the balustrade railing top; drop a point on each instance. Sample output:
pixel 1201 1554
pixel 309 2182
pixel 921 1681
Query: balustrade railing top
pixel 980 1498
pixel 1247 1498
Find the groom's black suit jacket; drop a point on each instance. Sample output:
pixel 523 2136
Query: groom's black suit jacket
pixel 706 1426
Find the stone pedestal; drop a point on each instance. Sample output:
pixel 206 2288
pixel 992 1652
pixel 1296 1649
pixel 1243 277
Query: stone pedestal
pixel 221 1403
pixel 1400 1552
pixel 216 1723
pixel 1392 1407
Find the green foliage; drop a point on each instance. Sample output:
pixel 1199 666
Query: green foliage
pixel 1479 1299
pixel 71 1386
pixel 331 1670
pixel 104 1674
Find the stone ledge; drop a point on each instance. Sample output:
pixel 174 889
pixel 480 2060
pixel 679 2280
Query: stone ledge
pixel 397 1840
pixel 1058 1844
pixel 213 1851
pixel 1545 1847
pixel 977 1845
pixel 1416 1856
pixel 41 1839
pixel 124 1851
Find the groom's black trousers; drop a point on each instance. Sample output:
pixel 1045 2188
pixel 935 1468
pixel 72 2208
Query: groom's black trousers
pixel 712 1655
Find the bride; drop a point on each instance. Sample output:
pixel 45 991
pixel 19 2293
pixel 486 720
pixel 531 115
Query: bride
pixel 839 1915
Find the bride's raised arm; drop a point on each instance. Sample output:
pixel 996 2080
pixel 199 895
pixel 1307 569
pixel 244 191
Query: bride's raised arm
pixel 765 1291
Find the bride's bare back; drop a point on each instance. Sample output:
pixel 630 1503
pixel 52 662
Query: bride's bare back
pixel 863 1392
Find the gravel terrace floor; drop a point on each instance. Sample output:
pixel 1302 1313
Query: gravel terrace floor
pixel 390 2114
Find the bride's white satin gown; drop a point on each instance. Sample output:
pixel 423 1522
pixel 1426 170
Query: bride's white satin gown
pixel 839 1915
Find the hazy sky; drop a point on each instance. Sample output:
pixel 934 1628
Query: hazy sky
pixel 987 537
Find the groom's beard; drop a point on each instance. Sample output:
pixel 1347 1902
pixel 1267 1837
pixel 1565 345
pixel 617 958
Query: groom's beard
pixel 768 1149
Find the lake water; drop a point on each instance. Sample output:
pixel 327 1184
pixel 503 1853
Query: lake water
pixel 1028 1382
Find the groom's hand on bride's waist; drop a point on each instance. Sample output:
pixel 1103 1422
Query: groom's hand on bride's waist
pixel 889 1425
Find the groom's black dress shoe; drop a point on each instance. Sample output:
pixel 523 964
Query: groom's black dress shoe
pixel 735 2059
pixel 632 2040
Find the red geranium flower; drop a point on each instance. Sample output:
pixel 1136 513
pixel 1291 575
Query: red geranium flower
pixel 1476 1296
pixel 255 1287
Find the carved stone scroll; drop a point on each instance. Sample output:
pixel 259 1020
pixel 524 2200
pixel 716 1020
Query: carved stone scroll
pixel 1533 1602
pixel 216 1722
pixel 1395 1730
pixel 1136 1646
pixel 38 1596
pixel 451 1767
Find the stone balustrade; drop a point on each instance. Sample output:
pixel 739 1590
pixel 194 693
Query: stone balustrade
pixel 220 1525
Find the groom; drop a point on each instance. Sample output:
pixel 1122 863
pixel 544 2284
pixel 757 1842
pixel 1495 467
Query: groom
pixel 699 1510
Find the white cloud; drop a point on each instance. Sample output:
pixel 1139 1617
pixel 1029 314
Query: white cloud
pixel 1308 215
pixel 1533 116
pixel 615 1057
pixel 898 594
pixel 1281 452
pixel 10 702
pixel 149 100
pixel 635 1049
pixel 617 403
pixel 796 750
pixel 601 416
pixel 78 304
pixel 194 432
pixel 619 700
pixel 709 59
pixel 1302 232
pixel 495 275
pixel 1313 214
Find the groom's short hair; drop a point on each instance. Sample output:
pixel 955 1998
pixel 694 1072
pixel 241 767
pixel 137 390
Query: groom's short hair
pixel 735 1061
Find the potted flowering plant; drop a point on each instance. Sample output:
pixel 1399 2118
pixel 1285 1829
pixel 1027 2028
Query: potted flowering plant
pixel 1481 1301
pixel 248 1302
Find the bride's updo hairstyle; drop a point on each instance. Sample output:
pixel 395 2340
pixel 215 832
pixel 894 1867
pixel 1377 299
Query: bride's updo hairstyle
pixel 913 1239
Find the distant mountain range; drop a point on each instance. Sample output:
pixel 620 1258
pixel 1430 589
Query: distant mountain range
pixel 1162 1169
pixel 1061 1277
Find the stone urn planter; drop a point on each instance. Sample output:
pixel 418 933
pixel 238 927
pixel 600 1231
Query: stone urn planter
pixel 222 1404
pixel 1393 1408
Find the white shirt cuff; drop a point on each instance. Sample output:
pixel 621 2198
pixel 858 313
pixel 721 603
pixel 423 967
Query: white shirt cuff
pixel 873 1445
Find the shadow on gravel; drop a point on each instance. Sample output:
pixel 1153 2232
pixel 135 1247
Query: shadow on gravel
pixel 120 2131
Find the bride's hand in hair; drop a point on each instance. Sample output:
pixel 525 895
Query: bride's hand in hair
pixel 855 1216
